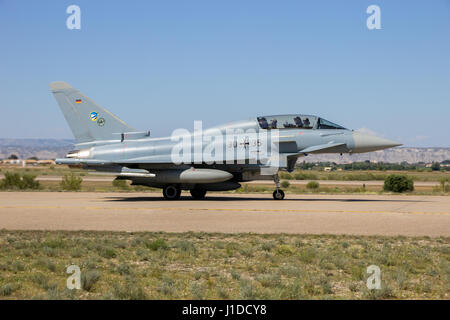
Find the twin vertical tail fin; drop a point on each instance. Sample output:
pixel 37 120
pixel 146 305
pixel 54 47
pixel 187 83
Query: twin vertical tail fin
pixel 87 120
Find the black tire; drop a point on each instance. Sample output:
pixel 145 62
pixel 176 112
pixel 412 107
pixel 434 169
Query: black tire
pixel 198 194
pixel 171 192
pixel 278 194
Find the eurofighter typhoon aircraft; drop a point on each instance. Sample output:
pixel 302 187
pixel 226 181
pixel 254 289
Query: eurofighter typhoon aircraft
pixel 216 159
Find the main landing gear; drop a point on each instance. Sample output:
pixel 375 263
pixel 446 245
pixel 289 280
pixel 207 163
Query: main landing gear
pixel 171 192
pixel 278 194
pixel 198 194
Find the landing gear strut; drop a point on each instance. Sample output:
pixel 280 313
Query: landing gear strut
pixel 171 192
pixel 278 194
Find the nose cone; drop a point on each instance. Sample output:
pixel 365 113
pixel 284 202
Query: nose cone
pixel 366 143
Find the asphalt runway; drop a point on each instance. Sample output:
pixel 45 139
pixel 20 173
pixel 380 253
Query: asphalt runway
pixel 258 213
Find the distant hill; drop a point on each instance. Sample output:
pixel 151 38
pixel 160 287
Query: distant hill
pixel 54 148
pixel 394 155
pixel 41 148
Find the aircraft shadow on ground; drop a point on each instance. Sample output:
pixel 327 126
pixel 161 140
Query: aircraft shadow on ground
pixel 269 198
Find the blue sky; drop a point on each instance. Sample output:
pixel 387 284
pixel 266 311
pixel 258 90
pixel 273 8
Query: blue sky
pixel 160 65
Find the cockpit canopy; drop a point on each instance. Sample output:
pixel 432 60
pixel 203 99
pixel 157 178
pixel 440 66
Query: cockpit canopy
pixel 296 121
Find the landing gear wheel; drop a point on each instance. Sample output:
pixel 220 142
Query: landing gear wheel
pixel 278 194
pixel 171 192
pixel 198 193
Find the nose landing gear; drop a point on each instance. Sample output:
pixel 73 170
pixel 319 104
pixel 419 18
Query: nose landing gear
pixel 278 194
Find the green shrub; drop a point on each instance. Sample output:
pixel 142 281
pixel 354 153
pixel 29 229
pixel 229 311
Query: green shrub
pixel 71 182
pixel 307 255
pixel 41 280
pixel 54 243
pixel 445 184
pixel 107 252
pixel 186 246
pixel 268 245
pixel 167 286
pixel 89 278
pixel 123 269
pixel 11 181
pixel 129 291
pixel 285 184
pixel 197 290
pixel 14 180
pixel 398 183
pixel 18 266
pixel 284 249
pixel 285 175
pixel 158 244
pixel 312 185
pixel 248 289
pixel 29 181
pixel 46 263
pixel 6 289
pixel 305 176
pixel 120 184
pixel 269 280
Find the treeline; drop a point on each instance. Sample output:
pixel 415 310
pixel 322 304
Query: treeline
pixel 380 166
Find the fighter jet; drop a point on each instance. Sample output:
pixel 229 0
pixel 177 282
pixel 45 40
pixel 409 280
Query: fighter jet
pixel 215 159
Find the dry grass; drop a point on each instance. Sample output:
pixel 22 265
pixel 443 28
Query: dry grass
pixel 118 265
